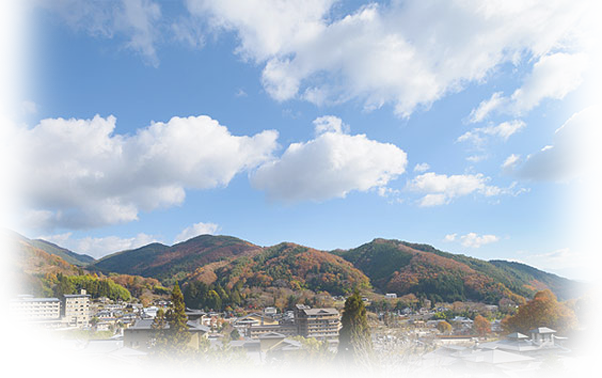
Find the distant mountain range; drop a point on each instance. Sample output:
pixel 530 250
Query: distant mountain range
pixel 380 265
pixel 53 249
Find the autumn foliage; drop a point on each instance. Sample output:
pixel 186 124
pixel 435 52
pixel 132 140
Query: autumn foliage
pixel 481 325
pixel 543 310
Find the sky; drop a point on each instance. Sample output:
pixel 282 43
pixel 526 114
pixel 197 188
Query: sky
pixel 468 125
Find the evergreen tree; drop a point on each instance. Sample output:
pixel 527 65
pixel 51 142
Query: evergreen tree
pixel 355 344
pixel 552 367
pixel 172 342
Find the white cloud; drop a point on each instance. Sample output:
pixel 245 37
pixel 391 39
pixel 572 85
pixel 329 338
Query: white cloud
pixel 450 237
pixel 100 246
pixel 134 20
pixel 565 258
pixel 477 158
pixel 422 167
pixel 510 162
pixel 575 151
pixel 473 240
pixel 553 76
pixel 77 173
pixel 331 165
pixel 404 54
pixel 504 130
pixel 29 107
pixel 330 124
pixel 441 189
pixel 196 230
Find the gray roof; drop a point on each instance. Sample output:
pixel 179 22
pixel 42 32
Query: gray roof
pixel 146 324
pixel 272 335
pixel 31 299
pixel 321 311
pixel 517 335
pixel 127 355
pixel 519 345
pixel 98 347
pixel 542 330
pixel 67 344
pixel 495 357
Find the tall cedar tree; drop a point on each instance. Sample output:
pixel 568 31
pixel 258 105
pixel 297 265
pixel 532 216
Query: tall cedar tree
pixel 552 367
pixel 172 342
pixel 355 344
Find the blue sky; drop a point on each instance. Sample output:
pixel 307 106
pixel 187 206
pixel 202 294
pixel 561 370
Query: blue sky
pixel 466 126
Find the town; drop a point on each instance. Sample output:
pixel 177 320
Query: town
pixel 425 336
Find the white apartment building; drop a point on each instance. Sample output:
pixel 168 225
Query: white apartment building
pixel 76 309
pixel 73 310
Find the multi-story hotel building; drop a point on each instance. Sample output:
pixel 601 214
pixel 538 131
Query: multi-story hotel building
pixel 73 310
pixel 319 323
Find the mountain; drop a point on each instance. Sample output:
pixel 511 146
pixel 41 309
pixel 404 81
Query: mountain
pixel 27 265
pixel 164 262
pixel 50 248
pixel 296 267
pixel 402 268
pixel 382 265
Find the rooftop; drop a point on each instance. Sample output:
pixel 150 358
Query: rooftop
pixel 98 347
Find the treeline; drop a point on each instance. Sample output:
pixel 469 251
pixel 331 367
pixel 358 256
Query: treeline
pixel 95 286
pixel 199 295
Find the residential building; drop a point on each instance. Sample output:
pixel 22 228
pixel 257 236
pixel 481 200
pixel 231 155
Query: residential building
pixel 25 311
pixel 320 323
pixel 76 309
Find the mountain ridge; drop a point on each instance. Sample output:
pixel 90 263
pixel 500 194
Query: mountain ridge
pixel 382 265
pixel 77 259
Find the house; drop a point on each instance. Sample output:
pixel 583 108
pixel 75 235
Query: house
pixel 542 344
pixel 391 295
pixel 141 335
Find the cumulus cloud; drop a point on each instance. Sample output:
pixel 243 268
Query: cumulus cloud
pixel 450 237
pixel 575 150
pixel 196 230
pixel 440 189
pixel 473 240
pixel 404 54
pixel 78 173
pixel 329 166
pixel 134 20
pixel 99 246
pixel 422 167
pixel 504 130
pixel 553 76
